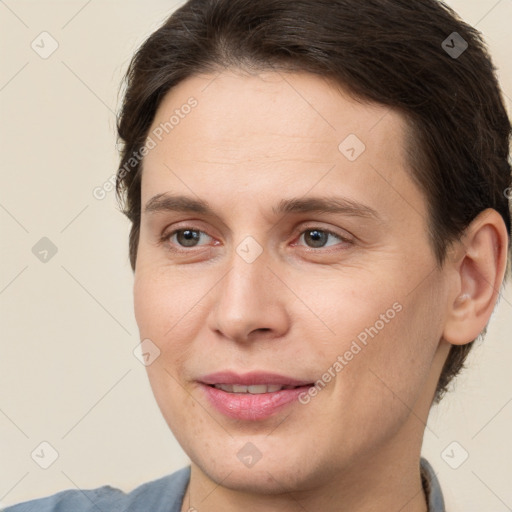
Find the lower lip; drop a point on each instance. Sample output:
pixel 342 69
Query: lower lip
pixel 245 406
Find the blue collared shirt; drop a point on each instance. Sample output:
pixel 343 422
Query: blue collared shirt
pixel 166 495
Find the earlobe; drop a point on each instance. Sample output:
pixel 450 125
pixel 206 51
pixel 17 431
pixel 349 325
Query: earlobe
pixel 480 268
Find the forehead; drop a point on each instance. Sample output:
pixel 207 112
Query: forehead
pixel 269 107
pixel 276 131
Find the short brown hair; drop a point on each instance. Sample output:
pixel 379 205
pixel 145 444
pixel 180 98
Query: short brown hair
pixel 408 55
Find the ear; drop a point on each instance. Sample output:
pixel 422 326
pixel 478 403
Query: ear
pixel 479 263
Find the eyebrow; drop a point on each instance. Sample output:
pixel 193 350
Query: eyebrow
pixel 169 202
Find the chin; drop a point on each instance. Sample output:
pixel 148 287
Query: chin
pixel 264 478
pixel 275 467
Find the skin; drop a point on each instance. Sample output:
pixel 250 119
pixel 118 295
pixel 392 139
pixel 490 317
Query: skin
pixel 253 140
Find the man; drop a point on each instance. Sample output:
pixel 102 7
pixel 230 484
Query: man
pixel 320 229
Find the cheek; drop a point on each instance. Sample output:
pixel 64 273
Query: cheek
pixel 394 364
pixel 386 336
pixel 351 308
pixel 161 314
pixel 164 300
pixel 149 302
pixel 168 311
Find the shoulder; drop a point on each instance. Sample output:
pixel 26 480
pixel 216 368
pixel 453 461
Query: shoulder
pixel 165 494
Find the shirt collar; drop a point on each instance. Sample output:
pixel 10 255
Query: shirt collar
pixel 431 487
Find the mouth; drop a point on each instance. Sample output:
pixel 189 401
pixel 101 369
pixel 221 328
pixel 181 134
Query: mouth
pixel 256 389
pixel 252 396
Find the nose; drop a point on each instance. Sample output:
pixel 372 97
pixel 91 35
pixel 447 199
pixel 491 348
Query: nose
pixel 250 302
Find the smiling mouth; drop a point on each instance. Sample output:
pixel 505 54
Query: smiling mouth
pixel 256 389
pixel 252 400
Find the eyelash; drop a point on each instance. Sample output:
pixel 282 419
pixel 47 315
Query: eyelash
pixel 166 237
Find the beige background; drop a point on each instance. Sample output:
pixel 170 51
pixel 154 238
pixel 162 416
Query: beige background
pixel 67 372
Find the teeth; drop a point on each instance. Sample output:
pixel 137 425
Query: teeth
pixel 256 389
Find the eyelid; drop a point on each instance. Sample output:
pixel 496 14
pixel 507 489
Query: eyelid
pixel 167 235
pixel 344 235
pixel 346 238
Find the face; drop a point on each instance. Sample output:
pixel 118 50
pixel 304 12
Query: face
pixel 292 290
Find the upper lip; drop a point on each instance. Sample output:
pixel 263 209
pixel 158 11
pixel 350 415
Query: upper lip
pixel 251 379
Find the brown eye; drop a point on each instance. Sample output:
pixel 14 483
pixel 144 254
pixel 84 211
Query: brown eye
pixel 315 237
pixel 318 238
pixel 187 237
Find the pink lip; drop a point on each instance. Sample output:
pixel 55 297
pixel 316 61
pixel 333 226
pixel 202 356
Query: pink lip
pixel 251 379
pixel 245 406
